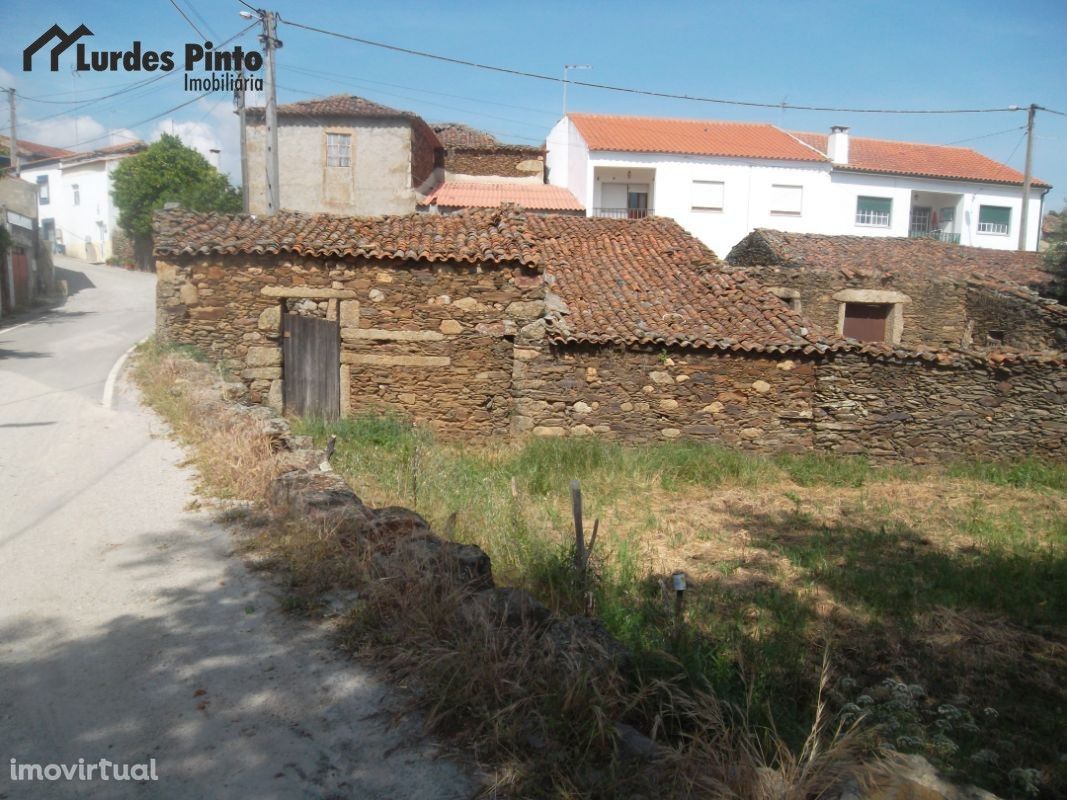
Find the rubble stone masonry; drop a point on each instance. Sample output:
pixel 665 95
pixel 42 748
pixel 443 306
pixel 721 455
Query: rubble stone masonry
pixel 463 348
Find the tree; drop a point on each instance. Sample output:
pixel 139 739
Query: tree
pixel 167 172
pixel 1056 255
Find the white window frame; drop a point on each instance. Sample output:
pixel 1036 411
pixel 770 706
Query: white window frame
pixel 338 149
pixel 694 191
pixel 776 192
pixel 874 219
pixel 994 228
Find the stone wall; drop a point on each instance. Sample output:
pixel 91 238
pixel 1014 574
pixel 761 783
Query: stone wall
pixel 502 162
pixel 920 411
pixel 759 403
pixel 462 349
pixel 432 341
pixel 933 313
pixel 1000 318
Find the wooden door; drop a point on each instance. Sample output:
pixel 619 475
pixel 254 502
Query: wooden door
pixel 20 267
pixel 866 321
pixel 311 361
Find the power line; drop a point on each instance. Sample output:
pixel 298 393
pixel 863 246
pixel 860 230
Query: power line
pixel 629 90
pixel 987 135
pixel 192 24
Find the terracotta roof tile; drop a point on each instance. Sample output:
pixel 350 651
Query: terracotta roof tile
pixel 471 236
pixel 339 105
pixel 690 136
pixel 534 196
pixel 649 282
pixel 34 150
pixel 913 158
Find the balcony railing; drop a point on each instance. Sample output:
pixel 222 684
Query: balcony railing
pixel 941 236
pixel 624 213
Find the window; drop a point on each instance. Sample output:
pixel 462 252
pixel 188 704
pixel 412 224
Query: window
pixel 42 189
pixel 708 195
pixel 786 200
pixel 867 321
pixel 875 211
pixel 77 194
pixel 338 150
pixel 994 219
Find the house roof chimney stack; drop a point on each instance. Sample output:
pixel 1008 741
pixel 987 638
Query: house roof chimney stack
pixel 837 144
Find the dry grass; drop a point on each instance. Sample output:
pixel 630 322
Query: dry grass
pixel 231 452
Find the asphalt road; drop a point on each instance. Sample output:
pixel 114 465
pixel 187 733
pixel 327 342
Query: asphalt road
pixel 128 629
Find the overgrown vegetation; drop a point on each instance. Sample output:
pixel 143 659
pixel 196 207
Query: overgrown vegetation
pixel 938 596
pixel 951 581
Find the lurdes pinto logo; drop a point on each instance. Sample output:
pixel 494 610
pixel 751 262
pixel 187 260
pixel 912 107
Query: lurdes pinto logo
pixel 202 57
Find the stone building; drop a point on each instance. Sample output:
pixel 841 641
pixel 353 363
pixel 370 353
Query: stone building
pixel 498 322
pixel 909 292
pixel 346 155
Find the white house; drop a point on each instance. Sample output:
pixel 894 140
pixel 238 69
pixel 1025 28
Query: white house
pixel 74 202
pixel 721 180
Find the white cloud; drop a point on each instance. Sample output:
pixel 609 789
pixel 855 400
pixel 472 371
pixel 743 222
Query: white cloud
pixel 72 132
pixel 215 129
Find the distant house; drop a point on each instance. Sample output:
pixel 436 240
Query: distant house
pixel 77 214
pixel 721 180
pixel 345 155
pixel 23 267
pixel 482 172
pixel 909 292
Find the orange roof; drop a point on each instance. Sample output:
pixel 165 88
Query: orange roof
pixel 926 160
pixel 534 196
pixel 690 136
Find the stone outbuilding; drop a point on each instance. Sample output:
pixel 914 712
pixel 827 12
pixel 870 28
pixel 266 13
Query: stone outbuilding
pixel 497 322
pixel 909 292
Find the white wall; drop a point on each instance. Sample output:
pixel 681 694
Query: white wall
pixel 847 186
pixel 568 161
pixel 746 192
pixel 95 218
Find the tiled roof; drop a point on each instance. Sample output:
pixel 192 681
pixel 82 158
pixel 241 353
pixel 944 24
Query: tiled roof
pixel 887 256
pixel 34 150
pixel 338 105
pixel 534 196
pixel 690 136
pixel 925 160
pixel 456 134
pixel 649 282
pixel 471 236
pixel 615 281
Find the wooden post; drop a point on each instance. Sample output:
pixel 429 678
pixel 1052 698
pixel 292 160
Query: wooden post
pixel 579 532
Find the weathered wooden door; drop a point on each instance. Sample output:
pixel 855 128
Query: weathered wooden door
pixel 311 359
pixel 20 266
pixel 866 321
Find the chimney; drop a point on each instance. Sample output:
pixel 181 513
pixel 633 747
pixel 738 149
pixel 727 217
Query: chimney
pixel 837 144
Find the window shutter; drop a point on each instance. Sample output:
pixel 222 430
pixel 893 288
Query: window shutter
pixel 876 205
pixel 786 199
pixel 994 215
pixel 708 195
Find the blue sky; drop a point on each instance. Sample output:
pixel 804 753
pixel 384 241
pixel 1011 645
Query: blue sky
pixel 951 54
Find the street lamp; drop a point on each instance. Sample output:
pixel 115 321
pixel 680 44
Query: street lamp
pixel 566 68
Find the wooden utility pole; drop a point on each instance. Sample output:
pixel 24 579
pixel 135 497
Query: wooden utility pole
pixel 270 44
pixel 1027 175
pixel 14 143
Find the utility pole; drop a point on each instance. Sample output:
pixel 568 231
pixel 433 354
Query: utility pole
pixel 1027 176
pixel 239 101
pixel 14 143
pixel 270 44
